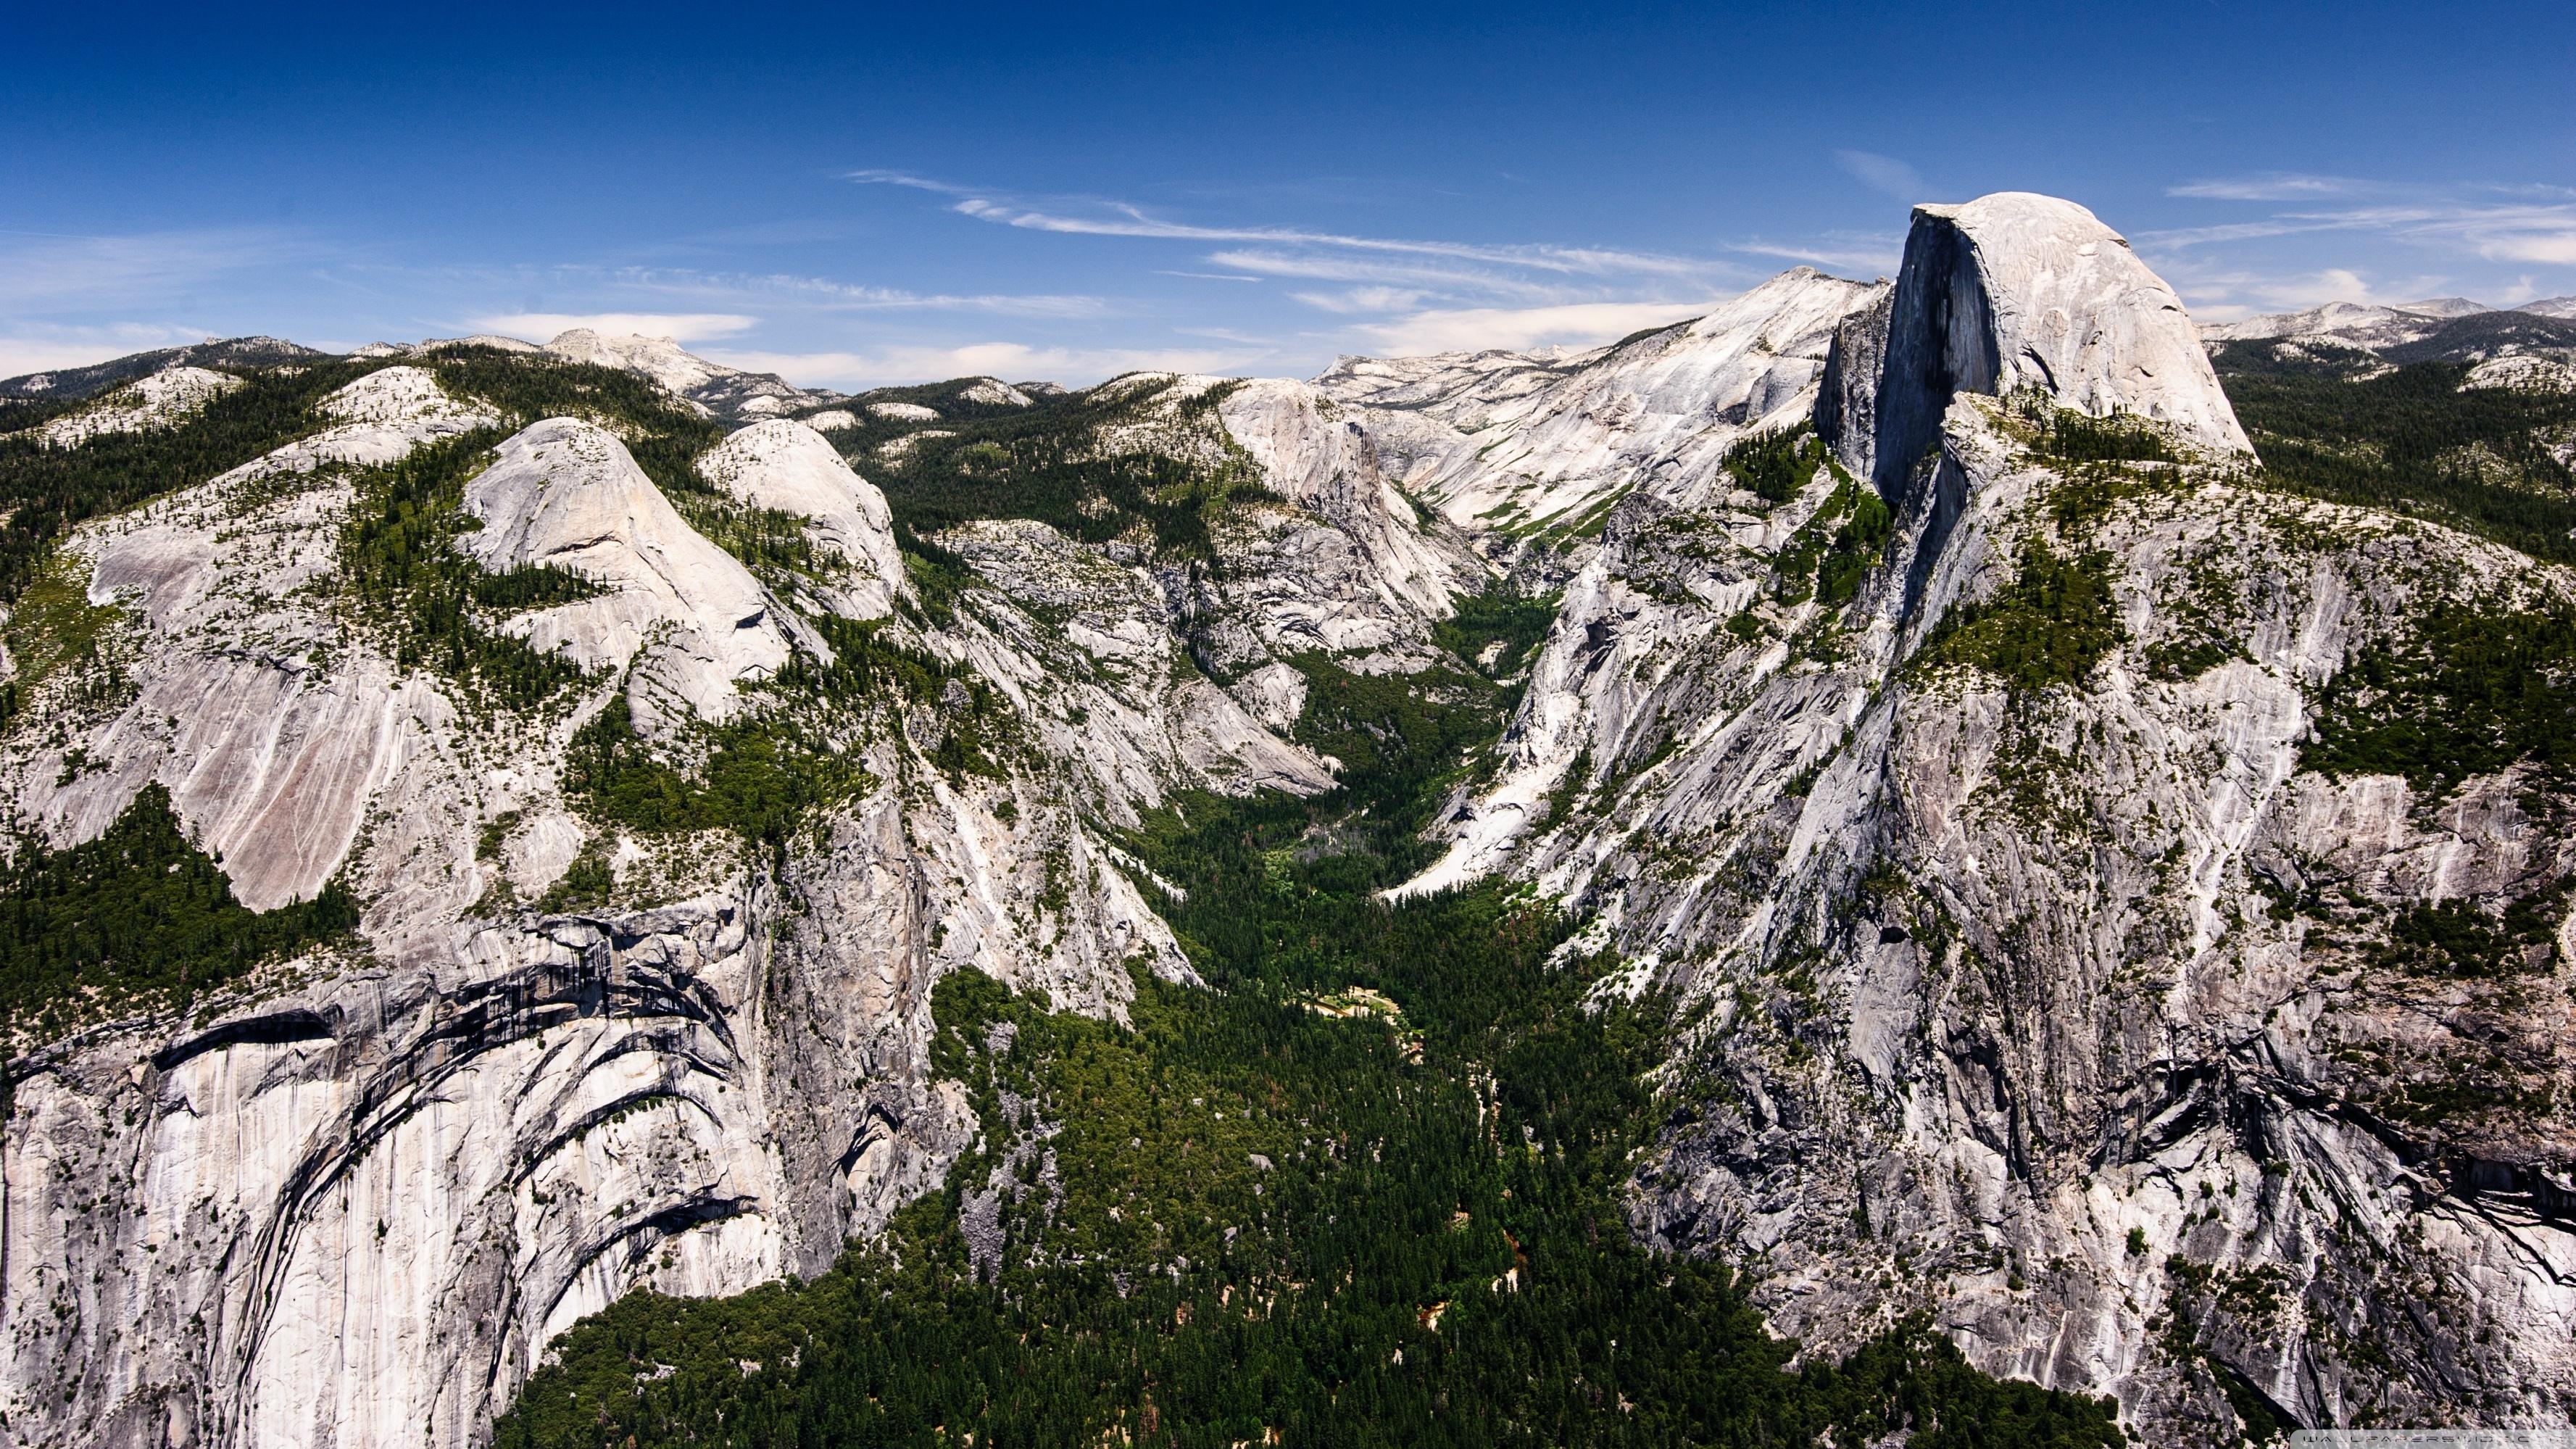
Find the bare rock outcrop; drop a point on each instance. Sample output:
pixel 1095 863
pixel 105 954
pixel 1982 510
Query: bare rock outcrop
pixel 2058 1005
pixel 347 1201
pixel 1325 463
pixel 711 387
pixel 790 467
pixel 2045 1005
pixel 271 738
pixel 155 401
pixel 691 619
pixel 2015 290
pixel 1503 441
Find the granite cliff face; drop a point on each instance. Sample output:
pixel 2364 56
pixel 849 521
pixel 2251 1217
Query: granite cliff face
pixel 348 1203
pixel 2014 292
pixel 2052 991
pixel 1963 776
pixel 1510 446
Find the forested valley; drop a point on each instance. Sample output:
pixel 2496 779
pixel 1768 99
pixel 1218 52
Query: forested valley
pixel 1362 1188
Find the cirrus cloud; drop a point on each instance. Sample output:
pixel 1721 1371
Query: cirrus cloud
pixel 1883 174
pixel 1522 329
pixel 1010 361
pixel 677 326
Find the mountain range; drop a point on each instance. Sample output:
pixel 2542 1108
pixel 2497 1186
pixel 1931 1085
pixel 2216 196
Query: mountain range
pixel 2370 327
pixel 721 391
pixel 1949 852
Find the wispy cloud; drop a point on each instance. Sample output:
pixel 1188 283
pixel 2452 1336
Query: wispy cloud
pixel 2273 186
pixel 1389 273
pixel 2222 292
pixel 2454 228
pixel 819 292
pixel 1403 295
pixel 46 272
pixel 1010 361
pixel 2176 238
pixel 1519 329
pixel 1119 218
pixel 2537 227
pixel 36 348
pixel 1841 254
pixel 1884 174
pixel 678 326
pixel 1374 300
pixel 606 288
pixel 2545 235
pixel 1454 281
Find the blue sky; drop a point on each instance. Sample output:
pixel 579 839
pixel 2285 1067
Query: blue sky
pixel 870 195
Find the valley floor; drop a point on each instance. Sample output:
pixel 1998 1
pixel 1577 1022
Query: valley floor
pixel 1364 1191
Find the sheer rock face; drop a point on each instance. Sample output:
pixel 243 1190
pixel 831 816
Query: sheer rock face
pixel 2075 1070
pixel 348 1203
pixel 269 747
pixel 2061 1010
pixel 1351 569
pixel 2057 1010
pixel 1110 691
pixel 1326 463
pixel 1500 440
pixel 2014 290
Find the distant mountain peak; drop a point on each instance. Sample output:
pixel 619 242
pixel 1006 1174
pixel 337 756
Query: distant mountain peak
pixel 429 345
pixel 726 392
pixel 2445 307
pixel 2442 329
pixel 2372 327
pixel 98 377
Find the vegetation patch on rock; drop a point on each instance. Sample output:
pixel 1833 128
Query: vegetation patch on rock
pixel 2470 689
pixel 139 916
pixel 2050 625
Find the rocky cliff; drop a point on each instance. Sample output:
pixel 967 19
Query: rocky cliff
pixel 2112 904
pixel 1516 447
pixel 575 1047
pixel 2040 972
